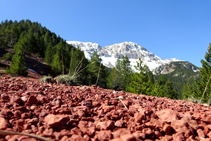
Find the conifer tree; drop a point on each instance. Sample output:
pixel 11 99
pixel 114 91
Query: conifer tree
pixel 78 62
pixel 156 89
pixel 114 80
pixel 169 91
pixel 166 88
pixel 18 62
pixel 56 64
pixel 187 91
pixel 126 72
pixel 120 76
pixel 97 71
pixel 49 53
pixel 141 81
pixel 205 71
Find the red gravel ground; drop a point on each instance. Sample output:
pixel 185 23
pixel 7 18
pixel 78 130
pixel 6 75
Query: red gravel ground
pixel 68 113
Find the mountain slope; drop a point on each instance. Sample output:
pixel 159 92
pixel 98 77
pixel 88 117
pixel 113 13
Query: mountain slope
pixel 133 51
pixel 180 73
pixel 172 66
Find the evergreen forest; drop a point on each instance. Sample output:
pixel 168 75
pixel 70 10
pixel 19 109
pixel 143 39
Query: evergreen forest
pixel 25 38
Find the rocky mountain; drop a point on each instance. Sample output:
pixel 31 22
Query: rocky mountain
pixel 172 66
pixel 133 51
pixel 180 73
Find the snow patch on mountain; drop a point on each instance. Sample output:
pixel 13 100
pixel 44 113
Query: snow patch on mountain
pixel 133 51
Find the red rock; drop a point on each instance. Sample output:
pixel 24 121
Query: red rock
pixel 48 132
pixel 15 99
pixel 33 107
pixel 108 108
pixel 3 123
pixel 206 139
pixel 157 134
pixel 118 123
pixel 167 129
pixel 21 138
pixel 139 117
pixel 204 128
pixel 121 131
pixel 20 122
pixel 95 103
pixel 167 138
pixel 187 117
pixel 117 139
pixel 106 125
pixel 56 120
pixel 25 138
pixel 207 119
pixel 190 138
pixel 87 103
pixel 76 138
pixel 200 133
pixel 65 138
pixel 74 130
pixel 179 125
pixel 57 135
pixel 24 98
pixel 188 133
pixel 81 113
pixel 87 127
pixel 150 125
pixel 147 131
pixel 31 100
pixel 26 115
pixel 32 121
pixel 128 137
pixel 17 114
pixel 139 135
pixel 178 137
pixel 104 135
pixel 209 126
pixel 193 124
pixel 209 134
pixel 5 97
pixel 167 115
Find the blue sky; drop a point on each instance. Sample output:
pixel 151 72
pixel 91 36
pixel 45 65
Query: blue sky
pixel 168 28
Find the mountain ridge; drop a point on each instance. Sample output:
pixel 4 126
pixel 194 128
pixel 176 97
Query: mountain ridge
pixel 133 51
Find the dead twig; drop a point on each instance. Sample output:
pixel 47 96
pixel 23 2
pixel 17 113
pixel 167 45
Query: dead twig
pixel 4 132
pixel 120 98
pixel 204 90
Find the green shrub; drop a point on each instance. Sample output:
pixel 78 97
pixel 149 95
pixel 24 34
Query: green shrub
pixel 7 56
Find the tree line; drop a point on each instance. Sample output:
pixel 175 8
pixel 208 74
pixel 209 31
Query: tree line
pixel 27 37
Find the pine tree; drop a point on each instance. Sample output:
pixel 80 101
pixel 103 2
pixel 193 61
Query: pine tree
pixel 156 89
pixel 49 53
pixel 205 71
pixel 169 91
pixel 141 81
pixel 187 91
pixel 18 62
pixel 94 68
pixel 113 81
pixel 78 62
pixel 120 76
pixel 126 72
pixel 56 64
